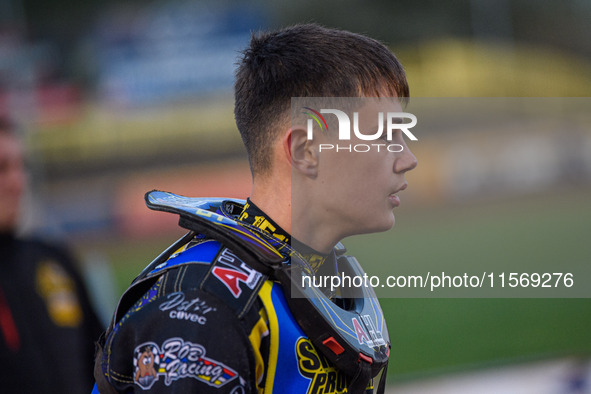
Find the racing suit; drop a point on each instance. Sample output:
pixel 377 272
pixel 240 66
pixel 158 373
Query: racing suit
pixel 208 322
pixel 47 325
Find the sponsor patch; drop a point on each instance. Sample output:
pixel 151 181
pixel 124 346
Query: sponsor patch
pixel 177 359
pixel 232 272
pixel 146 360
pixel 367 333
pixel 179 307
pixel 325 378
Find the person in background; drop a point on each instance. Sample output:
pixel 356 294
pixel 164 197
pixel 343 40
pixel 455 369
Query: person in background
pixel 47 324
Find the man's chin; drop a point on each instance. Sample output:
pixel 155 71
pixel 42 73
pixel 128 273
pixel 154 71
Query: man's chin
pixel 384 225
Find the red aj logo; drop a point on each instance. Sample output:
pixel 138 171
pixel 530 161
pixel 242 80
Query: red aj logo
pixel 367 333
pixel 232 277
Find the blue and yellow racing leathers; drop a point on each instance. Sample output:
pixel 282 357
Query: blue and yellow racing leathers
pixel 204 321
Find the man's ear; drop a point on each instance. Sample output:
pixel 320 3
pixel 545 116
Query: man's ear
pixel 301 151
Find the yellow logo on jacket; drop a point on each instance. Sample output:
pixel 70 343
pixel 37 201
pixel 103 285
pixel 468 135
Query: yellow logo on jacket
pixel 58 290
pixel 326 379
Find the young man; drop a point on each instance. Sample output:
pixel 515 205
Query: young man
pixel 47 325
pixel 221 310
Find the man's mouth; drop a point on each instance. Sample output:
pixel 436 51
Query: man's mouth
pixel 393 197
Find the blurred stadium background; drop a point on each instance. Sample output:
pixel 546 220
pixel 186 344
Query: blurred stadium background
pixel 117 98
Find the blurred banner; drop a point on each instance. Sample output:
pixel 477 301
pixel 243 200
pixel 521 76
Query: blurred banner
pixel 169 51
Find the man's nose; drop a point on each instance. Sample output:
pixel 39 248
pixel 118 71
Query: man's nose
pixel 406 162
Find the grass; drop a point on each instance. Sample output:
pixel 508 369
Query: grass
pixel 537 234
pixel 430 336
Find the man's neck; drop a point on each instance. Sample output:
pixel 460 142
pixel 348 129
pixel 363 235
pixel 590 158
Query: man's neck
pixel 303 225
pixel 273 198
pixel 295 210
pixel 254 216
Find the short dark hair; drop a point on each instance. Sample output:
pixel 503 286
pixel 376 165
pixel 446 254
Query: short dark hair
pixel 305 61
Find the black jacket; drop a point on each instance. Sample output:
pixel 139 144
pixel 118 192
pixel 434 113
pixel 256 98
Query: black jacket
pixel 47 325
